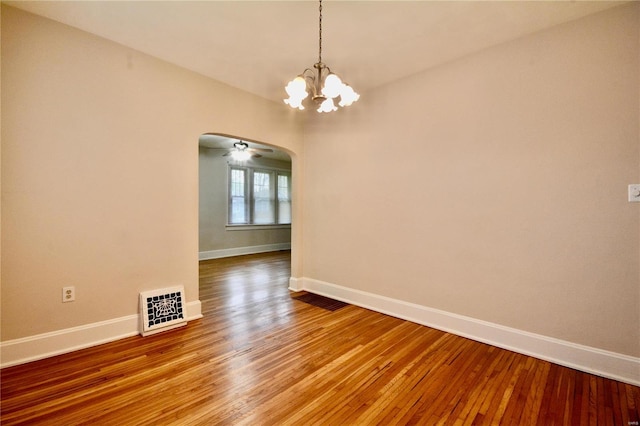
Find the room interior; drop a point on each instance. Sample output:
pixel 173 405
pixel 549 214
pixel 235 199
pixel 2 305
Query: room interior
pixel 217 236
pixel 478 186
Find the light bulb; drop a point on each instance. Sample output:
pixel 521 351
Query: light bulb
pixel 297 91
pixel 240 155
pixel 297 88
pixel 327 106
pixel 348 96
pixel 332 86
pixel 294 103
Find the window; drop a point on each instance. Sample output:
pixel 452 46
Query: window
pixel 259 196
pixel 284 198
pixel 238 212
pixel 263 206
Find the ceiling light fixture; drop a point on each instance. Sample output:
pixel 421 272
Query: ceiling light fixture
pixel 240 152
pixel 324 85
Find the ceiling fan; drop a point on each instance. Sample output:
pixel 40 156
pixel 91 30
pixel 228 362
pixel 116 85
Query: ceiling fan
pixel 241 151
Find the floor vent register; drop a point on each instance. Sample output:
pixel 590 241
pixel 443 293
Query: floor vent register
pixel 162 309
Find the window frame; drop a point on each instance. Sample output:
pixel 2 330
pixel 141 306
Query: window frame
pixel 286 173
pixel 230 196
pixel 250 200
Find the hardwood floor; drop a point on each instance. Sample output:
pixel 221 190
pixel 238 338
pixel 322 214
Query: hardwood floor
pixel 259 357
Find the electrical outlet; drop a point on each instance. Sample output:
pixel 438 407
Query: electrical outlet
pixel 634 193
pixel 68 294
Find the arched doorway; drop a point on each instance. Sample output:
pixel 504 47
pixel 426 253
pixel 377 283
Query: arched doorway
pixel 245 204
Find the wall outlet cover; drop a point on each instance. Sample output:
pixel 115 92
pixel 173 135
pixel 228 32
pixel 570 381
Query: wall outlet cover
pixel 68 294
pixel 634 193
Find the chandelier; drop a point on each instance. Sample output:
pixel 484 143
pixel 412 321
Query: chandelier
pixel 324 85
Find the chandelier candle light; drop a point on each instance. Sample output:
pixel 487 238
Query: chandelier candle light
pixel 324 85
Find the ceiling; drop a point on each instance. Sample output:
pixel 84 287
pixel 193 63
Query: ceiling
pixel 222 145
pixel 258 46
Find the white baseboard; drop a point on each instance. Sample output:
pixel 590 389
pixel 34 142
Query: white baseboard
pixel 32 348
pixel 295 284
pixel 591 360
pixel 588 359
pixel 239 251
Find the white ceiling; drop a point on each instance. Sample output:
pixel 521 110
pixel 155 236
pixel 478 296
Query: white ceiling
pixel 222 144
pixel 258 46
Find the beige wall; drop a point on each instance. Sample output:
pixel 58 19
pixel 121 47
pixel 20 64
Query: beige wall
pixel 213 203
pixel 100 172
pixel 493 187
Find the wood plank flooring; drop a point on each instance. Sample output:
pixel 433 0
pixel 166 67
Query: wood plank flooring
pixel 259 357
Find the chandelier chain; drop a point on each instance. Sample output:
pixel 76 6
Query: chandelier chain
pixel 320 35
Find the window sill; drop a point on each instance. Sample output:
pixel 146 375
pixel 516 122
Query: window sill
pixel 256 227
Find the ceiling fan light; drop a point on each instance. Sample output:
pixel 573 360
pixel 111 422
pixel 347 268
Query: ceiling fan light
pixel 240 155
pixel 240 145
pixel 332 86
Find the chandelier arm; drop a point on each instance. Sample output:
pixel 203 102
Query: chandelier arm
pixel 306 71
pixel 310 77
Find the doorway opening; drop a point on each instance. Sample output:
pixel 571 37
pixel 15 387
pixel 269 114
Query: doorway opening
pixel 245 201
